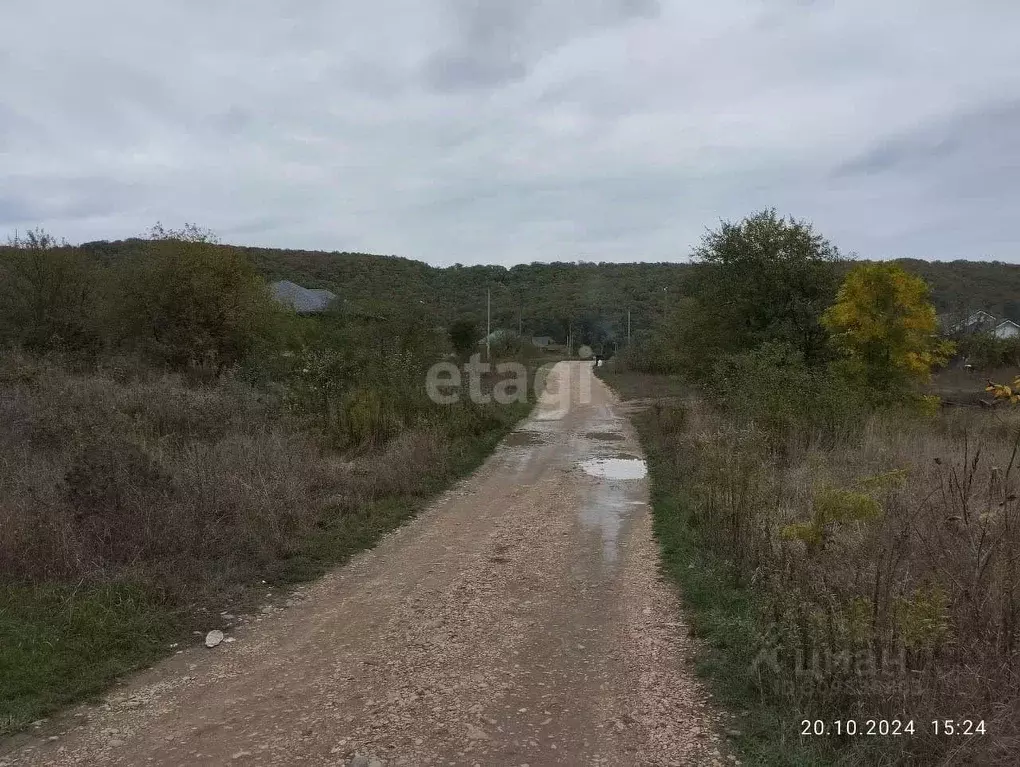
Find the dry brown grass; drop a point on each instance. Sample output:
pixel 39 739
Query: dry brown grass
pixel 123 469
pixel 913 612
pixel 101 474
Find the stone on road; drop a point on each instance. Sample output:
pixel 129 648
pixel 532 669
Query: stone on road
pixel 518 620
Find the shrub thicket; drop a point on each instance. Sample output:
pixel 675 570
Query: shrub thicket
pixel 186 304
pixel 986 352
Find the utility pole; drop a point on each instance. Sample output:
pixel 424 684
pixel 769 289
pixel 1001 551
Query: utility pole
pixel 628 327
pixel 488 324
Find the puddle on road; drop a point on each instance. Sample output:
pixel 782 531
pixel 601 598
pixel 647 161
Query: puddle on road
pixel 611 503
pixel 605 514
pixel 615 468
pixel 607 436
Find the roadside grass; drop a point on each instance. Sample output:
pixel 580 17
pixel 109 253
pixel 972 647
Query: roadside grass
pixel 719 610
pixel 630 385
pixel 133 511
pixel 721 614
pixel 60 644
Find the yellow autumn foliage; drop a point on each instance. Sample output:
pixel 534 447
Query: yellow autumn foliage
pixel 834 506
pixel 884 326
pixel 1003 391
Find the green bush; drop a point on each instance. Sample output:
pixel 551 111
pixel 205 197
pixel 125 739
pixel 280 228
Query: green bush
pixel 187 304
pixel 49 295
pixel 773 387
pixel 464 336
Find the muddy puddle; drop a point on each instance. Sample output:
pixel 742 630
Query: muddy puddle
pixel 615 468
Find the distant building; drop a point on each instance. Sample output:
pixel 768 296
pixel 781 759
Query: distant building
pixel 541 341
pixel 976 322
pixel 302 300
pixel 1006 329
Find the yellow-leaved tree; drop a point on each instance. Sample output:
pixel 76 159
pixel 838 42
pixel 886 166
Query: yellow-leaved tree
pixel 884 326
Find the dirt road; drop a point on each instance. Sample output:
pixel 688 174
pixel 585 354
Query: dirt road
pixel 518 621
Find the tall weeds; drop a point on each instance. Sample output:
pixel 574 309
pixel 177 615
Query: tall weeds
pixel 886 563
pixel 99 475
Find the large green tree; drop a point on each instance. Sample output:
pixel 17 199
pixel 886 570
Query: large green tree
pixel 764 279
pixel 464 336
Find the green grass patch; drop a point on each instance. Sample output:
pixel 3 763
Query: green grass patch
pixel 61 644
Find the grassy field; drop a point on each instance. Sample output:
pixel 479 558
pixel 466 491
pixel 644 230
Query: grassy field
pixel 766 605
pixel 136 506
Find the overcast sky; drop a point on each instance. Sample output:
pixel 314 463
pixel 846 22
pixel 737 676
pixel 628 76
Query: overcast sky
pixel 512 131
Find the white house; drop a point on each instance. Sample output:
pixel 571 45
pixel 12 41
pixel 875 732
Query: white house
pixel 1006 329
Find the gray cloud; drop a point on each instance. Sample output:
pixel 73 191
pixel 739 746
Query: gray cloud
pixel 500 43
pixel 457 70
pixel 14 210
pixel 514 132
pixel 985 137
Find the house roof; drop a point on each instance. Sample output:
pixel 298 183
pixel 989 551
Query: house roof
pixel 302 300
pixel 975 321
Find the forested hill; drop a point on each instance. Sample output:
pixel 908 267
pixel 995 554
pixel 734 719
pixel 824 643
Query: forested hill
pixel 963 286
pixel 548 293
pixel 539 298
pixel 543 298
